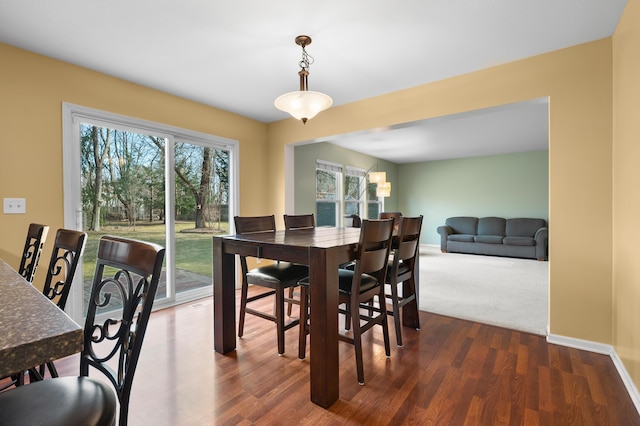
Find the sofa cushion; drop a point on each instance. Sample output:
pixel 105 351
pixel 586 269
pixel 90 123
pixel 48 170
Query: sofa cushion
pixel 519 241
pixel 489 239
pixel 524 227
pixel 463 238
pixel 491 226
pixel 463 225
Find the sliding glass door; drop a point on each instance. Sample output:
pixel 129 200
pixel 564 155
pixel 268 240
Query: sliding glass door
pixel 150 182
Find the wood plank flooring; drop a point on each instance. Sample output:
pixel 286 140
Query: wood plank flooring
pixel 451 372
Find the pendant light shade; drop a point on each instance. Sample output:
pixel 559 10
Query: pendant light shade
pixel 303 104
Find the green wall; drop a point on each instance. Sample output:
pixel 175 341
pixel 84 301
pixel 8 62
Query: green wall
pixel 510 185
pixel 305 172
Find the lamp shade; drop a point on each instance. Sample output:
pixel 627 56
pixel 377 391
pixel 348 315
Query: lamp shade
pixel 383 189
pixel 303 105
pixel 377 177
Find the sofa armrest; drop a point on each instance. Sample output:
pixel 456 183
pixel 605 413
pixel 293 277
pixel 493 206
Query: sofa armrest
pixel 542 241
pixel 444 232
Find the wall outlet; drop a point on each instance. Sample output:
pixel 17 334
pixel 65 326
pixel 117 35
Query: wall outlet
pixel 15 206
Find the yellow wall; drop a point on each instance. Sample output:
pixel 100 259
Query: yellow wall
pixel 626 189
pixel 32 89
pixel 578 83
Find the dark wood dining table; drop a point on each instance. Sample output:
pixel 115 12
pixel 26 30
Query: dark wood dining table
pixel 33 330
pixel 323 249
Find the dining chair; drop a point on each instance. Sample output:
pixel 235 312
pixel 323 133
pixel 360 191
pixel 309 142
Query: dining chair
pixel 402 268
pixel 299 221
pixel 356 288
pixel 391 215
pixel 124 286
pixel 293 223
pixel 36 237
pixel 276 276
pixel 67 249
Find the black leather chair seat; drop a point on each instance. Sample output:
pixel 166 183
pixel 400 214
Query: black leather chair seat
pixel 402 269
pixel 345 281
pixel 282 272
pixel 63 400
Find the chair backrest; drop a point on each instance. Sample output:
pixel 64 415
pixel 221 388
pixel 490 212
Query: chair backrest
pixel 391 215
pixel 301 221
pixel 124 286
pixel 36 236
pixel 252 224
pixel 356 221
pixel 408 239
pixel 373 250
pixel 67 249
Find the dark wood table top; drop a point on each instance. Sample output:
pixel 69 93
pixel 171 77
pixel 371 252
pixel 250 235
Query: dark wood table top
pixel 297 242
pixel 33 330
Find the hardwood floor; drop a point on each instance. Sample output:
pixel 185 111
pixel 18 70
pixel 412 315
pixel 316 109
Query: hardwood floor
pixel 451 372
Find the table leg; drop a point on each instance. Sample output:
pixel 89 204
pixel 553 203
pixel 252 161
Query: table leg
pixel 323 284
pixel 224 298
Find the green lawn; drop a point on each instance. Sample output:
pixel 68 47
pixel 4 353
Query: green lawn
pixel 193 249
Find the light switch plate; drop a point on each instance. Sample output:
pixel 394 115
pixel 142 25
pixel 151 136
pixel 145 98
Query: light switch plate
pixel 15 206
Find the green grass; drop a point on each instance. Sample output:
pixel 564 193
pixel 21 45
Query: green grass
pixel 193 249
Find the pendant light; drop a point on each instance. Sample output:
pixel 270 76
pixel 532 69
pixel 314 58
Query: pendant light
pixel 303 104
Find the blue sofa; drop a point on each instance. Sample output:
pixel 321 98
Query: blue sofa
pixel 495 236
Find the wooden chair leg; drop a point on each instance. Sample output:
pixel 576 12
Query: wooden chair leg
pixel 396 313
pixel 347 317
pixel 385 324
pixel 289 304
pixel 304 323
pixel 357 344
pixel 243 308
pixel 279 314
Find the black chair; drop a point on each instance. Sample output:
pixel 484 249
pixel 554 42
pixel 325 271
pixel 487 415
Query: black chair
pixel 293 223
pixel 356 288
pixel 402 268
pixel 275 276
pixel 122 294
pixel 36 237
pixel 67 249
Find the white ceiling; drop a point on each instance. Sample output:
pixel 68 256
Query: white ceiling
pixel 240 55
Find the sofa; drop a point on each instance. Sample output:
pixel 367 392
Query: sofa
pixel 495 236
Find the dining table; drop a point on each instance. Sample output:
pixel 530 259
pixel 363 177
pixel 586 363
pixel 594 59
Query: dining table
pixel 323 249
pixel 33 330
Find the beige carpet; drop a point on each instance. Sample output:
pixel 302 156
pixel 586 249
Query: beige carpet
pixel 506 292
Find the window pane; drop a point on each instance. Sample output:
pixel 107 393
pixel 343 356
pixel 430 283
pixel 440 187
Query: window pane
pixel 326 185
pixel 326 214
pixel 352 208
pixel 351 188
pixel 201 210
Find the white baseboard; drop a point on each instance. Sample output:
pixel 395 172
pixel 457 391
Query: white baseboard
pixel 605 350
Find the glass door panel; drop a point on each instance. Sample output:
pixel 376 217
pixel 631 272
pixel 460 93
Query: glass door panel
pixel 201 211
pixel 122 189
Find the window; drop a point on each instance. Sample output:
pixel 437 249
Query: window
pixel 374 204
pixel 328 182
pixel 354 193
